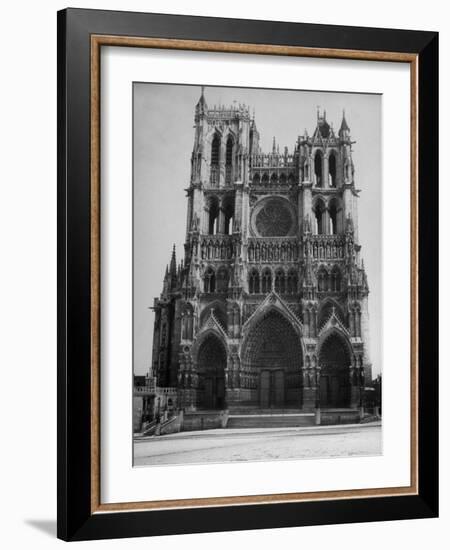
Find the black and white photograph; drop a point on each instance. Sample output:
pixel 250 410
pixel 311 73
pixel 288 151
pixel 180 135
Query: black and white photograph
pixel 257 261
pixel 223 323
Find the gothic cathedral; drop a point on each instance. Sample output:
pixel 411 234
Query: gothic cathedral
pixel 269 308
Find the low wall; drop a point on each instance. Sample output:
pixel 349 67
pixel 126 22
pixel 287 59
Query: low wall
pixel 339 417
pixel 204 420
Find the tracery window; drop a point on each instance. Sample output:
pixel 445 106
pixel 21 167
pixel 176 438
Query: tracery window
pixel 322 280
pixel 222 280
pixel 210 280
pixel 215 157
pixel 280 282
pixel 292 282
pixel 336 279
pixel 253 282
pixel 266 283
pixel 274 219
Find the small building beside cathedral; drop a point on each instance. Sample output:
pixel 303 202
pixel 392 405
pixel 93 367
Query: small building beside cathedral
pixel 269 307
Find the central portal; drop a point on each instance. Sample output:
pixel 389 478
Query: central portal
pixel 273 359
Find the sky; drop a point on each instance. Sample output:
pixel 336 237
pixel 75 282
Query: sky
pixel 163 139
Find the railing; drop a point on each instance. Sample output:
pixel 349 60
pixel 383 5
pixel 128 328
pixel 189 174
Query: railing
pixel 219 113
pixel 144 390
pixel 271 160
pixel 154 390
pixel 166 391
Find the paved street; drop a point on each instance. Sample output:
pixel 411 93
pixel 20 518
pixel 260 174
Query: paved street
pixel 259 444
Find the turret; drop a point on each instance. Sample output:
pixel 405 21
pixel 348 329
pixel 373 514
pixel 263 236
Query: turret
pixel 344 130
pixel 201 108
pixel 173 270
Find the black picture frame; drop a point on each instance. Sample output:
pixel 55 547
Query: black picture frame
pixel 76 521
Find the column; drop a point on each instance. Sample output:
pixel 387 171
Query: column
pixel 307 323
pixel 326 221
pixel 325 171
pixel 238 204
pixel 221 221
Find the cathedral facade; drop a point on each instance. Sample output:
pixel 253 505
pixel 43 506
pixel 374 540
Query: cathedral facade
pixel 269 308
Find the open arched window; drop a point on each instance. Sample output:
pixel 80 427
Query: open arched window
pixel 253 282
pixel 213 215
pixel 266 281
pixel 229 160
pixel 332 170
pixel 319 218
pixel 228 212
pixel 318 169
pixel 215 158
pixel 210 280
pixel 265 179
pixel 256 179
pixel 334 212
pixel 222 279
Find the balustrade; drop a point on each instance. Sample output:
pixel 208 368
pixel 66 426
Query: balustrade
pixel 272 160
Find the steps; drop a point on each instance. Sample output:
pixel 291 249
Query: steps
pixel 281 420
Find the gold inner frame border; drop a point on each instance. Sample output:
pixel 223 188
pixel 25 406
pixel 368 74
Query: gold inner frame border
pixel 97 41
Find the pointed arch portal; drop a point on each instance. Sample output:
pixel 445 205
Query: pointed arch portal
pixel 211 364
pixel 334 359
pixel 273 358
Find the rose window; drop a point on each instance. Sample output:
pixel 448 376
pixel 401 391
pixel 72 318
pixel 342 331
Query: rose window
pixel 274 219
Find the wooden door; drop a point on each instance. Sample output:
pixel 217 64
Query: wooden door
pixel 220 393
pixel 278 388
pixel 324 391
pixel 335 389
